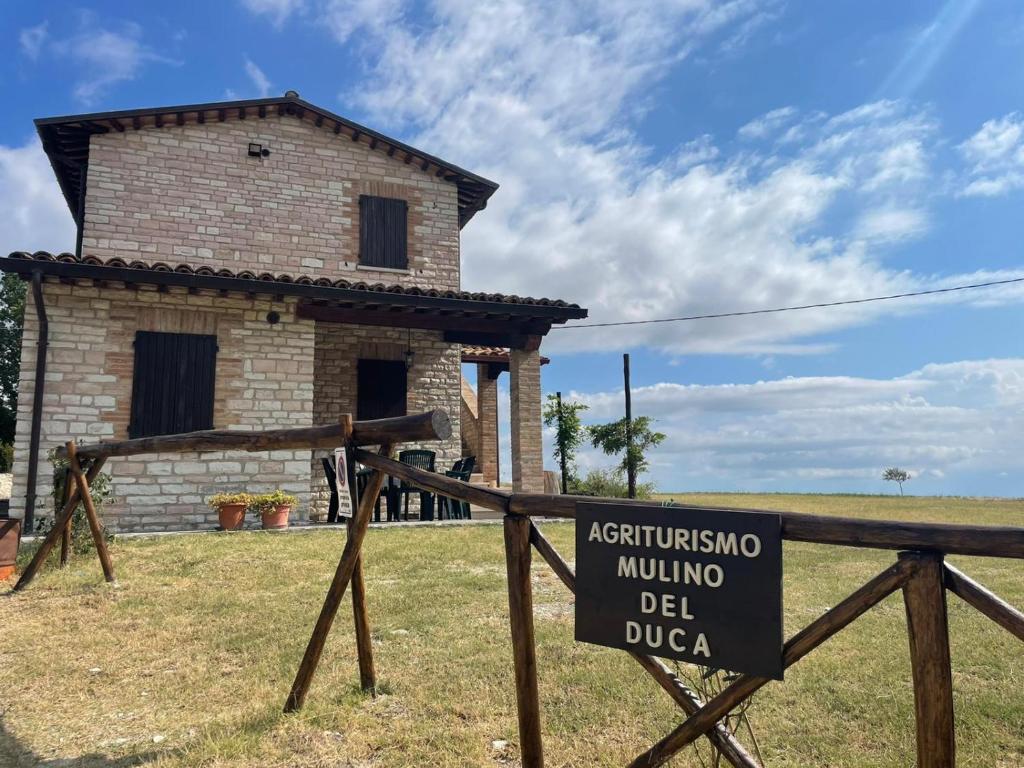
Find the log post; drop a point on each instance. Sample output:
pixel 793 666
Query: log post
pixel 364 642
pixel 59 523
pixel 524 654
pixel 90 512
pixel 927 627
pixel 65 536
pixel 342 577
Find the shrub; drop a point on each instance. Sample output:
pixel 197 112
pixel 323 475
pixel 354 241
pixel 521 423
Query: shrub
pixel 6 457
pixel 269 502
pixel 101 493
pixel 222 499
pixel 609 483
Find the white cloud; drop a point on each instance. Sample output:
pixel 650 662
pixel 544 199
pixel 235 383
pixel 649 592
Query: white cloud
pixel 996 157
pixel 768 123
pixel 950 424
pixel 278 11
pixel 33 214
pixel 31 40
pixel 543 99
pixel 104 55
pixel 259 80
pixel 891 224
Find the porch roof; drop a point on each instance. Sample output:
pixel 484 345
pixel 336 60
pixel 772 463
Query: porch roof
pixel 491 319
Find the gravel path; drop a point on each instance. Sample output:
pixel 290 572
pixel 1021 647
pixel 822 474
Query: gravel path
pixel 5 486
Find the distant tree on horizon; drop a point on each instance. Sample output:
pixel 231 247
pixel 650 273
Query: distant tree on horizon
pixel 896 475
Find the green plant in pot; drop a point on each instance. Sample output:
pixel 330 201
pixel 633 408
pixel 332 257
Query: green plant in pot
pixel 273 508
pixel 230 509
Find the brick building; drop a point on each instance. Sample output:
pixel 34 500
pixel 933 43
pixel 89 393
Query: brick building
pixel 252 265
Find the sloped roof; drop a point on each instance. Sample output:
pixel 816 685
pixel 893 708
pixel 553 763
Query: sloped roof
pixel 136 271
pixel 66 141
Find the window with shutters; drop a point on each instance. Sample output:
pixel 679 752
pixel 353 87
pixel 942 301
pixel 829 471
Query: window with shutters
pixel 383 232
pixel 172 385
pixel 381 389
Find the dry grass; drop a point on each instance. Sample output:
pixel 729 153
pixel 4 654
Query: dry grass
pixel 188 662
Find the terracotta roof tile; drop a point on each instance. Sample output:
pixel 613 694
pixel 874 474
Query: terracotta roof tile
pixel 268 277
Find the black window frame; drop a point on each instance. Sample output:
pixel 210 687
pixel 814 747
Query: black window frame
pixel 173 383
pixel 383 232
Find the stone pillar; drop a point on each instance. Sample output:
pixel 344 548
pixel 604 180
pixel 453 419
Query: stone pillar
pixel 527 446
pixel 487 422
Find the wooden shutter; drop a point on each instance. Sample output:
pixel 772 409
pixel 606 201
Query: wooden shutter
pixel 381 389
pixel 173 383
pixel 383 232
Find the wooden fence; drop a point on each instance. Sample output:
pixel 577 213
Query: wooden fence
pixel 919 571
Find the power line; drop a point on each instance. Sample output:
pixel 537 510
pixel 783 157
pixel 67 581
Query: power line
pixel 776 310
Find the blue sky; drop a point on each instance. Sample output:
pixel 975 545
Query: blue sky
pixel 659 158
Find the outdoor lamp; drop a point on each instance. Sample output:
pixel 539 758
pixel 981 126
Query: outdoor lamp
pixel 257 150
pixel 410 356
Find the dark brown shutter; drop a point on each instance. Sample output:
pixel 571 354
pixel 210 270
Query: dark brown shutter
pixel 383 235
pixel 173 383
pixel 381 389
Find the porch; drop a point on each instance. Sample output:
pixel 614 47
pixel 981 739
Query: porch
pixel 283 350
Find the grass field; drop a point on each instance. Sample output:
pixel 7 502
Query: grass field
pixel 188 662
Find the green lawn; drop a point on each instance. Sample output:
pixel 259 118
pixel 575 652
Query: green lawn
pixel 188 661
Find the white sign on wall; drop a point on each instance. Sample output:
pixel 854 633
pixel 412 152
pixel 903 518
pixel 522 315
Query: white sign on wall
pixel 344 493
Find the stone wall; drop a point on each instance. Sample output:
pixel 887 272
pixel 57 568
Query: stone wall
pixel 264 381
pixel 435 381
pixel 191 194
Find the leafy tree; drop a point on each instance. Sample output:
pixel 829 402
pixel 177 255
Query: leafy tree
pixel 568 432
pixel 896 475
pixel 12 313
pixel 613 439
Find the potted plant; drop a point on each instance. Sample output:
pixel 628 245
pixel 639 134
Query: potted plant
pixel 230 509
pixel 273 508
pixel 10 536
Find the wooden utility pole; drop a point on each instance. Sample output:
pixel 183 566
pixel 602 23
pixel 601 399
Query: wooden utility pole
pixel 561 444
pixel 630 466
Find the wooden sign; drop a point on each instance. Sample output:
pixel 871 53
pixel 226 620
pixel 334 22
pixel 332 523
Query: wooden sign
pixel 702 586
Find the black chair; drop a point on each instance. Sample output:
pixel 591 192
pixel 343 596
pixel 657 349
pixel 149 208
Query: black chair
pixel 421 459
pixel 456 509
pixel 332 483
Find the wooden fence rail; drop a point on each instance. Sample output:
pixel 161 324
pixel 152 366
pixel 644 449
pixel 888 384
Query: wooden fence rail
pixel 919 571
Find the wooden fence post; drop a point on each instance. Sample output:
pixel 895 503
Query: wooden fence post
pixel 65 536
pixel 342 577
pixel 62 520
pixel 520 608
pixel 927 627
pixel 90 512
pixel 364 642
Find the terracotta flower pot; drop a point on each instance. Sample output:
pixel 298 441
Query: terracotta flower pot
pixel 231 516
pixel 278 518
pixel 10 533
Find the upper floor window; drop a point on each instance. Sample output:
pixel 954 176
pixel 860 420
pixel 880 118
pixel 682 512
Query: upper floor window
pixel 172 386
pixel 383 232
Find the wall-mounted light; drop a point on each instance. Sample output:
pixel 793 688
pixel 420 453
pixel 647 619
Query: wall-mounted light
pixel 273 317
pixel 258 150
pixel 410 356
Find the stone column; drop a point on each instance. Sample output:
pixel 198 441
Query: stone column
pixel 487 422
pixel 527 446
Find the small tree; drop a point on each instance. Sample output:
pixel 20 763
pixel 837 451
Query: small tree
pixel 568 432
pixel 12 313
pixel 896 475
pixel 613 439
